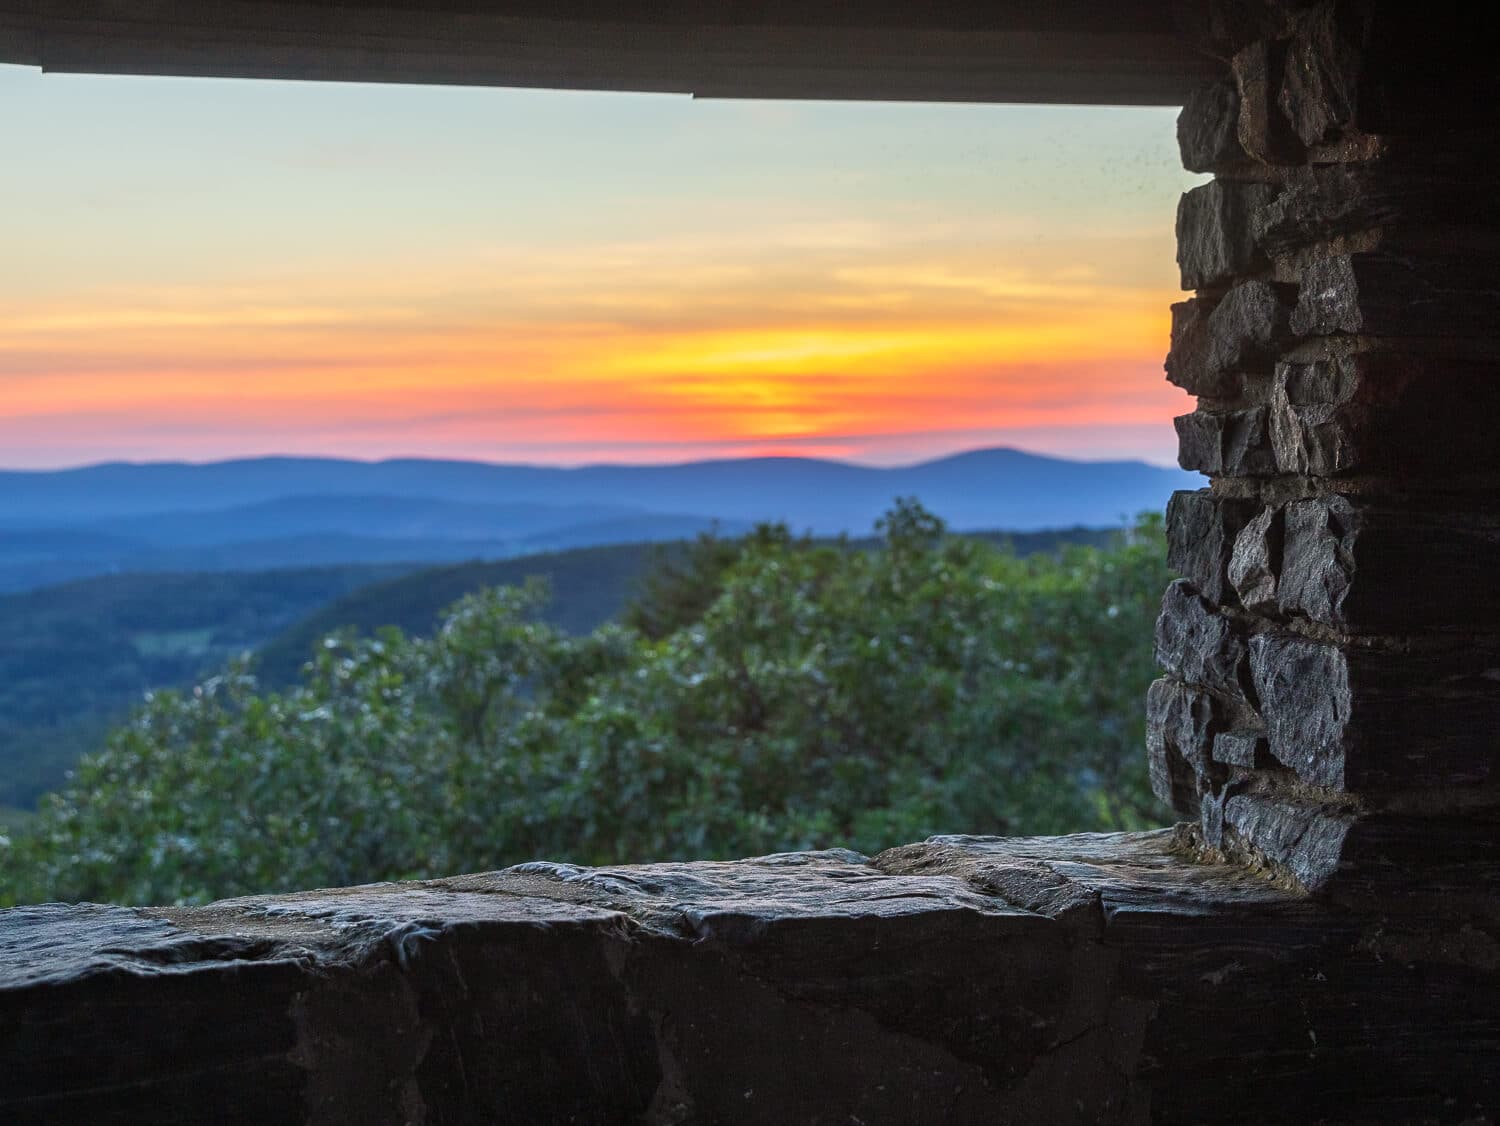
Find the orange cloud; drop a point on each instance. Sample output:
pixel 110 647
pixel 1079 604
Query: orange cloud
pixel 632 347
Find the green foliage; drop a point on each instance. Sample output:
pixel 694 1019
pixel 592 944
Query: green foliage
pixel 686 579
pixel 822 697
pixel 75 658
pixel 589 585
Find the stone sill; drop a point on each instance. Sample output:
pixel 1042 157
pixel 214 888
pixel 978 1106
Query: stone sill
pixel 1088 978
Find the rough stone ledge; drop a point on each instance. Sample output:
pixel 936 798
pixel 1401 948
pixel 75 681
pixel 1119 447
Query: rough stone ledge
pixel 1090 978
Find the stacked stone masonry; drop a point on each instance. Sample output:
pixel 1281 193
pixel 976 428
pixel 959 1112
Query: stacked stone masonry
pixel 965 981
pixel 1332 653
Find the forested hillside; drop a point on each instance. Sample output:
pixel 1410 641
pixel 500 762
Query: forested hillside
pixel 588 587
pixel 798 695
pixel 75 657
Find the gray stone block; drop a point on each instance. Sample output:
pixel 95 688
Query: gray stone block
pixel 1215 235
pixel 1201 531
pixel 1372 567
pixel 1190 359
pixel 1384 412
pixel 1212 343
pixel 1226 443
pixel 1353 718
pixel 1181 722
pixel 1259 69
pixel 1320 85
pixel 1244 747
pixel 1316 426
pixel 1318 560
pixel 1324 203
pixel 1208 127
pixel 1254 564
pixel 1403 288
pixel 1306 839
pixel 1198 645
pixel 1248 329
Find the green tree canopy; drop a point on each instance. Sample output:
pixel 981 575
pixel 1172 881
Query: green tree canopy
pixel 786 695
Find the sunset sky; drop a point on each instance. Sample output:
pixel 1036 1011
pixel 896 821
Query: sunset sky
pixel 206 269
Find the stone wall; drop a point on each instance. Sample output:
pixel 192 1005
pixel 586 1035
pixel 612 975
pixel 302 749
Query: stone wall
pixel 1332 697
pixel 1100 978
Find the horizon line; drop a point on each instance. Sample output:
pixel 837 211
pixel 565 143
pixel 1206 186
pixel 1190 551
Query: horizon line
pixel 583 465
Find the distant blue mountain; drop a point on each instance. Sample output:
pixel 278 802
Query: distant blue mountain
pixel 981 489
pixel 43 544
pixel 385 517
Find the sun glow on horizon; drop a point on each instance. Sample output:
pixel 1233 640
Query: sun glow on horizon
pixel 267 267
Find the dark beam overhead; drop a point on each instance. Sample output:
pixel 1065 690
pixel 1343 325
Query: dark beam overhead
pixel 1080 51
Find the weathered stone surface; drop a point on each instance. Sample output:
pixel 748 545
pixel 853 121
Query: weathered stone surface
pixel 1385 862
pixel 1110 883
pixel 1361 719
pixel 550 993
pixel 1320 89
pixel 1319 422
pixel 1249 328
pixel 1372 567
pixel 1318 563
pixel 1231 443
pixel 1213 343
pixel 1201 532
pixel 1243 747
pixel 1363 566
pixel 1181 722
pixel 1190 358
pixel 1400 290
pixel 1304 838
pixel 1384 412
pixel 1198 645
pixel 1306 702
pixel 1208 127
pixel 1320 204
pixel 1329 299
pixel 1331 202
pixel 1082 979
pixel 107 1015
pixel 1187 355
pixel 1259 70
pixel 967 980
pixel 1215 237
pixel 1255 563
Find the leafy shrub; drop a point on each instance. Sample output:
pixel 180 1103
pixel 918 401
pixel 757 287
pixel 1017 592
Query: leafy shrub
pixel 822 697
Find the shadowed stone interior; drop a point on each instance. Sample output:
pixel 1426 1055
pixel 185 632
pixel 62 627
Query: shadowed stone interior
pixel 1317 943
pixel 985 980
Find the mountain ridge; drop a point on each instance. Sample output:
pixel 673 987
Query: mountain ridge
pixel 998 486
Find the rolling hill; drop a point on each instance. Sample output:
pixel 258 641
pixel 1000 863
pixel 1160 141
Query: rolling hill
pixel 589 586
pixel 75 657
pixel 301 512
pixel 995 488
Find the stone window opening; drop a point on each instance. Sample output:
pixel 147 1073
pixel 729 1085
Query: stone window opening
pixel 1316 943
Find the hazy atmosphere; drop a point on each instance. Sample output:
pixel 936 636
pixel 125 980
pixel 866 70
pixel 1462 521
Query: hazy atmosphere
pixel 399 481
pixel 202 269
